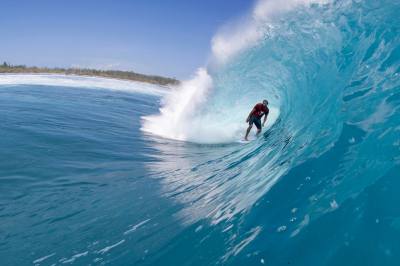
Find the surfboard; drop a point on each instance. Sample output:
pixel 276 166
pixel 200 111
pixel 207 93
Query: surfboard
pixel 242 141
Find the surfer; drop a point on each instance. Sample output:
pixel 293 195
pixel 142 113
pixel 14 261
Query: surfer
pixel 259 110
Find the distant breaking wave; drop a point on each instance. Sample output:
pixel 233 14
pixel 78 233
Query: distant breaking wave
pixel 82 82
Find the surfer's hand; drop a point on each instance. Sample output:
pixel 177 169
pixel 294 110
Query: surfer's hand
pixel 263 124
pixel 247 120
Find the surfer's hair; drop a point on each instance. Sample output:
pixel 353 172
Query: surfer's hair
pixel 265 102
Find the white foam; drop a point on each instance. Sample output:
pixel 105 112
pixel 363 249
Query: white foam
pixel 179 107
pixel 83 82
pixel 108 248
pixel 43 258
pixel 135 227
pixel 76 256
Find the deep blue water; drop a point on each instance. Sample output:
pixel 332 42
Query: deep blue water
pixel 82 184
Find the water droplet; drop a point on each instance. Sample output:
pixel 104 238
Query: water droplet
pixel 281 229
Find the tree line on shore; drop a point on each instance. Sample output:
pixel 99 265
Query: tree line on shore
pixel 127 75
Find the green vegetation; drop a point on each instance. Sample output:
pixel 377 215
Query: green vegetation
pixel 127 75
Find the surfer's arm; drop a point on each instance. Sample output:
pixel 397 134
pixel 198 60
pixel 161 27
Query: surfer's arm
pixel 248 118
pixel 265 119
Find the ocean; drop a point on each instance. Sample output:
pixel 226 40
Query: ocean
pixel 96 171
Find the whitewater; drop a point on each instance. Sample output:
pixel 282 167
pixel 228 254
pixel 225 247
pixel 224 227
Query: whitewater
pixel 97 171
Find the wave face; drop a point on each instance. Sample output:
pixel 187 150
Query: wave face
pixel 326 67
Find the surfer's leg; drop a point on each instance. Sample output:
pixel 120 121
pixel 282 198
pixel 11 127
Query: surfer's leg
pixel 251 121
pixel 247 132
pixel 257 122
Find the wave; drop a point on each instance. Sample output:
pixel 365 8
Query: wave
pixel 330 71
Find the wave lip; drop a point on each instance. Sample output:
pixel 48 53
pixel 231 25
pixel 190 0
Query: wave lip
pixel 232 40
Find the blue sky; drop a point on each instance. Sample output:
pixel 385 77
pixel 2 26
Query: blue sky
pixel 170 37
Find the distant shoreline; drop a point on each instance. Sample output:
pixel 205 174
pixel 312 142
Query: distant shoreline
pixel 114 74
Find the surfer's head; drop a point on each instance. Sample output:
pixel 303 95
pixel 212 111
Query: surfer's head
pixel 265 102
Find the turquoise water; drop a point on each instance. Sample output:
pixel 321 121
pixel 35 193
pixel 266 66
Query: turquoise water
pixel 82 184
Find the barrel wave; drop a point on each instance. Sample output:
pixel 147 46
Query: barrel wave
pixel 113 177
